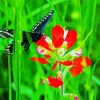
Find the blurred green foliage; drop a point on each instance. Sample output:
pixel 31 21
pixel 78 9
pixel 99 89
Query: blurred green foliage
pixel 81 15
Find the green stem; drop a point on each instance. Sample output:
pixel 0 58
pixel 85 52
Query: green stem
pixel 6 11
pixel 9 64
pixel 17 47
pixel 9 72
pixel 83 42
pixel 62 87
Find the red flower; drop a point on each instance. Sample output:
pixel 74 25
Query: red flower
pixel 59 36
pixel 41 60
pixel 54 82
pixel 77 64
pixel 55 49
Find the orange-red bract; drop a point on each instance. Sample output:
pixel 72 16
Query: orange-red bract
pixel 54 82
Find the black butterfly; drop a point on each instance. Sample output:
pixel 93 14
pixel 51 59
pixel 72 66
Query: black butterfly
pixel 35 34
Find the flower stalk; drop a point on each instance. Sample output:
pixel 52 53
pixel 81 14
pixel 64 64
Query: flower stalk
pixel 9 73
pixel 62 86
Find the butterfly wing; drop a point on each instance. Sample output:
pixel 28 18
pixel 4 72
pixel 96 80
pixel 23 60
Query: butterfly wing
pixel 6 33
pixel 36 33
pixel 25 42
pixel 38 28
pixel 9 49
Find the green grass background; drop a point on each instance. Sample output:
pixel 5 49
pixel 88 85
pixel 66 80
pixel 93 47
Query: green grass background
pixel 19 77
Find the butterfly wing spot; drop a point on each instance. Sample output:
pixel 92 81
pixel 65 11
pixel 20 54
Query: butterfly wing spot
pixel 2 36
pixel 9 49
pixel 50 13
pixel 40 22
pixel 43 19
pixel 37 24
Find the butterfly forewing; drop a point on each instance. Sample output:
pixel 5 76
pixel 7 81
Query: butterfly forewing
pixel 38 28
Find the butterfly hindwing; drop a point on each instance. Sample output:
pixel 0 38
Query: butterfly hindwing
pixel 9 49
pixel 25 42
pixel 6 33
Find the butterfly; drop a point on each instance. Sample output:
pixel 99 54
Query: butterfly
pixel 35 34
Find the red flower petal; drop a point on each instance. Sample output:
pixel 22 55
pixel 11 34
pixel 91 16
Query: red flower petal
pixel 42 42
pixel 77 61
pixel 54 82
pixel 41 60
pixel 54 66
pixel 76 70
pixel 58 42
pixel 71 38
pixel 47 56
pixel 57 36
pixel 66 63
pixel 84 61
